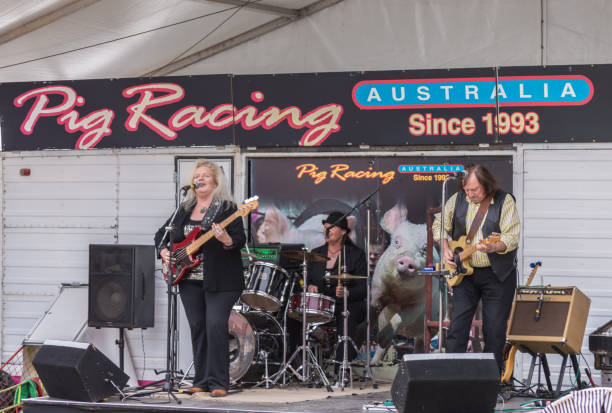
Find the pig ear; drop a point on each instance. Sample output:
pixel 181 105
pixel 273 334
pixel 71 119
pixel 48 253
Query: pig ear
pixel 394 217
pixel 278 219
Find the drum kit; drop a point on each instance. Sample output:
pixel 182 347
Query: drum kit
pixel 258 324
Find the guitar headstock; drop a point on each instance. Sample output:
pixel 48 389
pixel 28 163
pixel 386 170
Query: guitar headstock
pixel 248 205
pixel 535 265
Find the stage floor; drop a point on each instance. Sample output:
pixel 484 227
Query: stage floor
pixel 293 398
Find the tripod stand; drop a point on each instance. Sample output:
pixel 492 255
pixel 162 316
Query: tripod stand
pixel 367 371
pixel 344 279
pixel 171 376
pixel 308 357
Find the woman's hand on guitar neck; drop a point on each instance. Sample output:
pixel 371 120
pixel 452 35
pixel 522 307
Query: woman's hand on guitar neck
pixel 165 255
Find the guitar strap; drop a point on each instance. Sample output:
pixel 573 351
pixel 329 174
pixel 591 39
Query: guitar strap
pixel 210 215
pixel 480 214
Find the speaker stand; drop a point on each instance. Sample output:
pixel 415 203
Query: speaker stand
pixel 121 344
pixel 545 367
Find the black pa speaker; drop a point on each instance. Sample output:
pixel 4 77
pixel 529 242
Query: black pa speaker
pixel 446 383
pixel 121 286
pixel 77 371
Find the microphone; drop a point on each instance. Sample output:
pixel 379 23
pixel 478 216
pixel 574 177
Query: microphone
pixel 188 187
pixel 538 312
pixel 460 174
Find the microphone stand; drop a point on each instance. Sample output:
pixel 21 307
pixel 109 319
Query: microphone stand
pixel 171 331
pixel 367 370
pixel 357 205
pixel 442 273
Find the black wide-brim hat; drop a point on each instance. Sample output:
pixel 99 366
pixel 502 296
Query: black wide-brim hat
pixel 335 216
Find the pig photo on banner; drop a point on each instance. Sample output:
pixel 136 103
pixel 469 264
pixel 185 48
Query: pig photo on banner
pixel 296 194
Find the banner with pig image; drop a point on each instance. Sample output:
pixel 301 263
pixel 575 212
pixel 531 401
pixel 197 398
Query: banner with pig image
pixel 296 194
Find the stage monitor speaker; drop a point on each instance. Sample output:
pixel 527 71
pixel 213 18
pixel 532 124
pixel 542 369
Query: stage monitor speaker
pixel 77 371
pixel 446 383
pixel 563 313
pixel 121 286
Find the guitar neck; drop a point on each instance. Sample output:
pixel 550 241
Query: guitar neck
pixel 195 245
pixel 467 252
pixel 533 273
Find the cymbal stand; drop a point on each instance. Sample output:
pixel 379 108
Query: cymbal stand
pixel 367 369
pixel 308 356
pixel 266 379
pixel 345 339
pixel 282 371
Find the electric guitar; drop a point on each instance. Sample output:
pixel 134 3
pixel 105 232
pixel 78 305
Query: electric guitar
pixel 183 252
pixel 512 353
pixel 462 251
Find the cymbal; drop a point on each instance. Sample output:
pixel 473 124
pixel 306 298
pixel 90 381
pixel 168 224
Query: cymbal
pixel 304 256
pixel 345 276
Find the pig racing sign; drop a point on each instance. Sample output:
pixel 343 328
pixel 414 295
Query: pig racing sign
pixel 447 107
pixel 398 214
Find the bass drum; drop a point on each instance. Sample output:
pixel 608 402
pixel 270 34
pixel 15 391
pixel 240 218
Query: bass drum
pixel 253 335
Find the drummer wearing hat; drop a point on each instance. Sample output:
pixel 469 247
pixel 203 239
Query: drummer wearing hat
pixel 352 260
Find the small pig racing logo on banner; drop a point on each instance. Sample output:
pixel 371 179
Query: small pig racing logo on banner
pixel 473 92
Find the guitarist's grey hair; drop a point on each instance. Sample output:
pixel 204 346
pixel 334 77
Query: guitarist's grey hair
pixel 221 192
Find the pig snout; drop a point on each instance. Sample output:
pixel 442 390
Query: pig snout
pixel 406 266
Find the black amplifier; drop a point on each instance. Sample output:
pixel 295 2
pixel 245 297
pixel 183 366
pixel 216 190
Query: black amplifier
pixel 600 344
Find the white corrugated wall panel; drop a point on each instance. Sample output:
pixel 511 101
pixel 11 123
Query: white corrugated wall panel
pixel 50 218
pixel 73 199
pixel 146 198
pixel 567 210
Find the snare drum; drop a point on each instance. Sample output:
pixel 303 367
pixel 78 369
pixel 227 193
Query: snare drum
pixel 319 308
pixel 254 336
pixel 266 287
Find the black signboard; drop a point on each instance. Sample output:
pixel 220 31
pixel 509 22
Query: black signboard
pixel 86 114
pixel 419 107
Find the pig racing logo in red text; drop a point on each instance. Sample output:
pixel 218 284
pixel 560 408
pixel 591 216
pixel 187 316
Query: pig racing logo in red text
pixel 319 123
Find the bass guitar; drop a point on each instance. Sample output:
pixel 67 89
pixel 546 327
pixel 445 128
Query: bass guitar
pixel 509 368
pixel 462 251
pixel 184 252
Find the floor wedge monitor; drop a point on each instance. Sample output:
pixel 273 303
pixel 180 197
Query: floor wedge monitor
pixel 77 371
pixel 446 383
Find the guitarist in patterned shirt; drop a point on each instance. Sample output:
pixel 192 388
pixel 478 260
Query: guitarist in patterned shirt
pixel 494 278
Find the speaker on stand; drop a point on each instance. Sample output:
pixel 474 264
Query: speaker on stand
pixel 121 288
pixel 553 320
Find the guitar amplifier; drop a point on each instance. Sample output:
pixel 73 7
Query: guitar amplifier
pixel 271 253
pixel 563 313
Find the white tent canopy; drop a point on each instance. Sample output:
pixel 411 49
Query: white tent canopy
pixel 85 39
